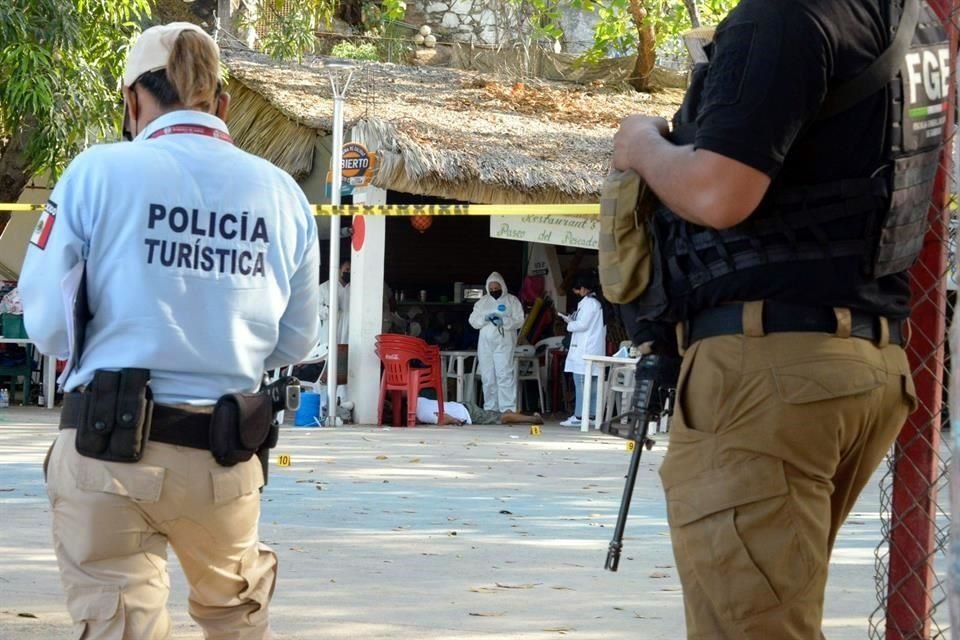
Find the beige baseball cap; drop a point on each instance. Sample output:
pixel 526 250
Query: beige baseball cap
pixel 152 49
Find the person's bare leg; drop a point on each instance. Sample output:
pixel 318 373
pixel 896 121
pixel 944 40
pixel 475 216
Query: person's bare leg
pixel 513 417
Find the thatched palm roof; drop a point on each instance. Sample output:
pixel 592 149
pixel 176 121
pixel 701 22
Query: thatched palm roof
pixel 442 132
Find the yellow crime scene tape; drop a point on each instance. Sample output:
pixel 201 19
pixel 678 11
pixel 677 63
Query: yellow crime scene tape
pixel 414 209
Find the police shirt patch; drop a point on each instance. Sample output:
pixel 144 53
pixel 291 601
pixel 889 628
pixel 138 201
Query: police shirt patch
pixel 41 233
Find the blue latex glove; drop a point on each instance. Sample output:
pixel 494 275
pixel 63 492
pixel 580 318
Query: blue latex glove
pixel 497 321
pixel 491 317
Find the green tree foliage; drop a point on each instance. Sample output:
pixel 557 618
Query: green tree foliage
pixel 350 51
pixel 627 26
pixel 616 30
pixel 60 64
pixel 294 23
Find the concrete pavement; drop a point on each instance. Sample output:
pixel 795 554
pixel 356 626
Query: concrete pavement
pixel 455 533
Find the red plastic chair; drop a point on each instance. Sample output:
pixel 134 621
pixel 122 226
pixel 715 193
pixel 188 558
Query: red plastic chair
pixel 397 354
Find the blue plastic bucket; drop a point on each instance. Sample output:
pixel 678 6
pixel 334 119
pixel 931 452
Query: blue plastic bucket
pixel 308 415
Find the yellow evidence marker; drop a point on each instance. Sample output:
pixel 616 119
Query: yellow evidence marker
pixel 535 430
pixel 283 460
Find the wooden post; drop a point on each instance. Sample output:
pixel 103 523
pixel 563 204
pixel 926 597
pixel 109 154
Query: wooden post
pixel 225 15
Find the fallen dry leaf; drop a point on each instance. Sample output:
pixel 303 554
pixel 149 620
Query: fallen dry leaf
pixel 381 457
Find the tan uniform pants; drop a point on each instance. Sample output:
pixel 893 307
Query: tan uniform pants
pixel 111 525
pixel 772 441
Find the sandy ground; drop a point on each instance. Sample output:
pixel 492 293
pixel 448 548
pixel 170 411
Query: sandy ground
pixel 455 533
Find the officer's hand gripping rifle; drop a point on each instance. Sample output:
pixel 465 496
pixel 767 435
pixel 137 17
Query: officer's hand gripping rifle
pixel 653 397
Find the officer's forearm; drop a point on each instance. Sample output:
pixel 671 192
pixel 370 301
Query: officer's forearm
pixel 700 186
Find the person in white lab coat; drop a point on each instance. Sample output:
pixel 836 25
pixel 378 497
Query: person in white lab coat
pixel 343 307
pixel 498 316
pixel 588 337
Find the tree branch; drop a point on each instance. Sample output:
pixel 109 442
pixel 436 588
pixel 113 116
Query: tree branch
pixel 15 170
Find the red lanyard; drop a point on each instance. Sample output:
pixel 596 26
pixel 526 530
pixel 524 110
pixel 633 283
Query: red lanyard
pixel 197 129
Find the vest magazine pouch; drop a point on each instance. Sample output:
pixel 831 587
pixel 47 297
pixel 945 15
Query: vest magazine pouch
pixel 919 102
pixel 117 413
pixel 626 207
pixel 240 426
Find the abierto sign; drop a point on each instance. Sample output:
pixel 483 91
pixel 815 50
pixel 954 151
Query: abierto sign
pixel 565 231
pixel 357 167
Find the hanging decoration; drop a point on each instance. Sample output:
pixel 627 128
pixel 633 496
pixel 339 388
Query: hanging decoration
pixel 421 223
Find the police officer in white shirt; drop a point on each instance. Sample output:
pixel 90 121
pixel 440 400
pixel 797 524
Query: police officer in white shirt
pixel 201 265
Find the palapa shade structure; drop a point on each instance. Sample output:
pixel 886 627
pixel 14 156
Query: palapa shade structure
pixel 440 132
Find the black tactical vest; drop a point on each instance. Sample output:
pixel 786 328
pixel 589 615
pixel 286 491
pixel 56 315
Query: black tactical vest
pixel 793 224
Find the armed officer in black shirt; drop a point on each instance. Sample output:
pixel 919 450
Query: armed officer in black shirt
pixel 794 188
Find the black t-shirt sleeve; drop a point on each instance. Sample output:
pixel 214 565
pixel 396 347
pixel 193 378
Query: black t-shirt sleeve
pixel 769 74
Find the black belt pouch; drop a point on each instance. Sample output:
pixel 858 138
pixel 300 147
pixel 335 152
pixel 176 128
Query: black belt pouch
pixel 116 417
pixel 240 426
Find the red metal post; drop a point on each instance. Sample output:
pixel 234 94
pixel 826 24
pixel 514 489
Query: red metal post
pixel 909 600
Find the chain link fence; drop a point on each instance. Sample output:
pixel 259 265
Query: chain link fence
pixel 912 587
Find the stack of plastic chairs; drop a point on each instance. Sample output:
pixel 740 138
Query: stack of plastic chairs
pixel 409 365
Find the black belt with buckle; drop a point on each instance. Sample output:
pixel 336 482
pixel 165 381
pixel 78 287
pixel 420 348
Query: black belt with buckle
pixel 779 317
pixel 170 425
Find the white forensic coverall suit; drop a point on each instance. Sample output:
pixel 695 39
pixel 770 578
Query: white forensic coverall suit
pixel 498 320
pixel 343 313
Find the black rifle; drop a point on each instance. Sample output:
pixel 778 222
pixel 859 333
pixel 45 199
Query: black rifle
pixel 653 397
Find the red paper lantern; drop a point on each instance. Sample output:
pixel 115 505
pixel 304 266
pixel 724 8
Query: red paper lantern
pixel 421 223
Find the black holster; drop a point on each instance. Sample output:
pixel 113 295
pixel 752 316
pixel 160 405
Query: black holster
pixel 242 425
pixel 116 416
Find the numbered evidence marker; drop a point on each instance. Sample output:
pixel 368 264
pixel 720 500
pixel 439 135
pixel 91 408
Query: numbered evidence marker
pixel 283 460
pixel 631 445
pixel 535 430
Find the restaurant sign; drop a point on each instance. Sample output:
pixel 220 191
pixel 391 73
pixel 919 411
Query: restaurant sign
pixel 357 168
pixel 565 231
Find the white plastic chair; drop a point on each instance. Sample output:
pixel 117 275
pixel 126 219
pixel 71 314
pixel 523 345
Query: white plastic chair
pixel 619 391
pixel 547 348
pixel 318 355
pixel 469 374
pixel 528 368
pixel 620 387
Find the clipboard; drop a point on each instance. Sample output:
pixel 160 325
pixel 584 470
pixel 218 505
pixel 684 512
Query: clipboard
pixel 74 290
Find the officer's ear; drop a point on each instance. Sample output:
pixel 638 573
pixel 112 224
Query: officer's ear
pixel 131 109
pixel 222 106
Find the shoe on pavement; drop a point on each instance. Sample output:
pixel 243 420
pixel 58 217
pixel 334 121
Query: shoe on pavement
pixel 572 421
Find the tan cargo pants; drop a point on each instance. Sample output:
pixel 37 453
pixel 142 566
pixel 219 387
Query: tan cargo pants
pixel 111 525
pixel 772 441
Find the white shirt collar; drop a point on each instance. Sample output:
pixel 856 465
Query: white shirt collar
pixel 184 116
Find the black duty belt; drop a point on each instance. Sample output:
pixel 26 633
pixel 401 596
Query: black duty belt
pixel 170 425
pixel 779 317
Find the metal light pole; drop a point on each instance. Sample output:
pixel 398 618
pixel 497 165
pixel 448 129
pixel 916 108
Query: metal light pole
pixel 336 68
